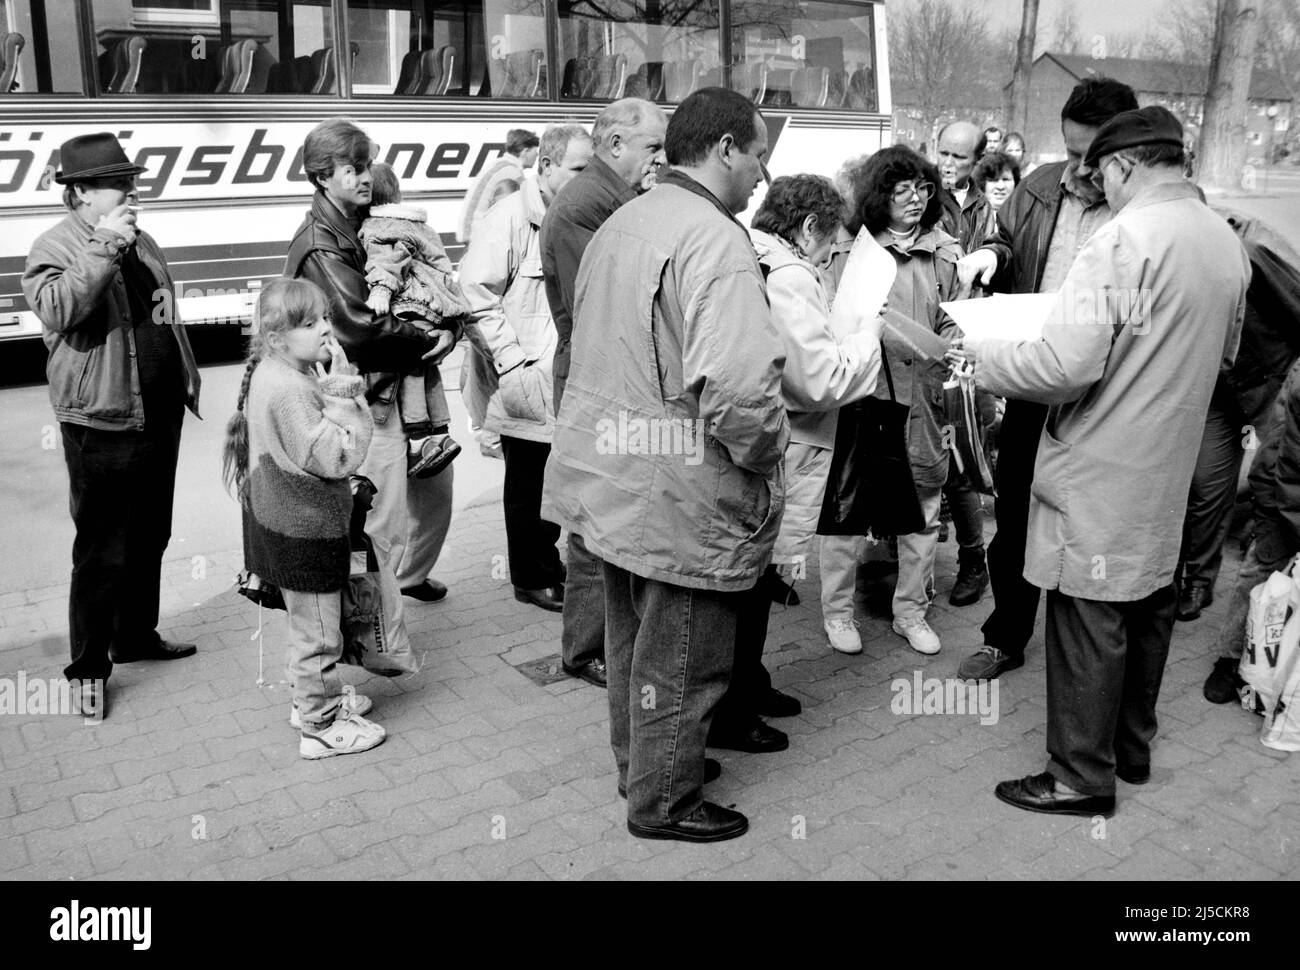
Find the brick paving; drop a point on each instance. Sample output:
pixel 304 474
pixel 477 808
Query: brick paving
pixel 487 775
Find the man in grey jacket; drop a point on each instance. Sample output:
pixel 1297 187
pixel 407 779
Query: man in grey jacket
pixel 121 373
pixel 667 453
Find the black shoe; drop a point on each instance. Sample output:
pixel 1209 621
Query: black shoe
pixel 757 738
pixel 1133 774
pixel 90 700
pixel 708 823
pixel 712 772
pixel 593 672
pixel 1224 682
pixel 971 582
pixel 1192 600
pixel 160 649
pixel 1037 793
pixel 773 703
pixel 429 591
pixel 778 591
pixel 551 598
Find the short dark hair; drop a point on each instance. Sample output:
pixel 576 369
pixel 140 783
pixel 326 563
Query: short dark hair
pixel 519 140
pixel 384 187
pixel 792 198
pixel 334 142
pixel 703 119
pixel 992 165
pixel 1095 100
pixel 875 181
pixel 1154 156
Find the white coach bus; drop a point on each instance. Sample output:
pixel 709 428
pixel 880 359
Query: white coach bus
pixel 216 96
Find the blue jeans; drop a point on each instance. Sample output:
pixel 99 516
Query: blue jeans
pixel 582 638
pixel 669 651
pixel 315 648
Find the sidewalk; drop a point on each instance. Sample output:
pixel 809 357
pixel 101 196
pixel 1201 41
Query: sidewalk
pixel 490 773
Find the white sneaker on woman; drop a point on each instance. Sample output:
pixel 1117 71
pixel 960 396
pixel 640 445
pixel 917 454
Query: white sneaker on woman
pixel 918 633
pixel 349 734
pixel 843 634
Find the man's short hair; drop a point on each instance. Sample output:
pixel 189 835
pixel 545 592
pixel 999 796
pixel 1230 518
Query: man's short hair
pixel 556 138
pixel 519 140
pixel 702 119
pixel 624 115
pixel 1155 156
pixel 1095 100
pixel 337 141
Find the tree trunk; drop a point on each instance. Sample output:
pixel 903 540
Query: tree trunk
pixel 1017 103
pixel 1221 153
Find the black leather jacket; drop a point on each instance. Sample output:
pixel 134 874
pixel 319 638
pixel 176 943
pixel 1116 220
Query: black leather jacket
pixel 326 251
pixel 1024 230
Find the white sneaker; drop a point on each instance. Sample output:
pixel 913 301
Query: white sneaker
pixel 349 734
pixel 353 703
pixel 843 634
pixel 918 633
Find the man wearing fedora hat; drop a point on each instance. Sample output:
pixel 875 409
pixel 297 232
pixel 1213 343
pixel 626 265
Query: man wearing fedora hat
pixel 1149 312
pixel 121 373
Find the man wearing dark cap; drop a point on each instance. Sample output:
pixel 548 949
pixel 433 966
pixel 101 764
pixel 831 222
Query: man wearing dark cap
pixel 121 373
pixel 1148 314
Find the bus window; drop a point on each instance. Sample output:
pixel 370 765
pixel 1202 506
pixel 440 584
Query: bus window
pixel 805 55
pixel 660 50
pixel 418 47
pixel 29 62
pixel 215 47
pixel 516 48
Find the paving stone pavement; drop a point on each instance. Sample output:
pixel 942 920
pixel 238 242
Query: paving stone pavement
pixel 487 775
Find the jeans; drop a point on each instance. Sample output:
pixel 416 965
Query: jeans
pixel 1015 599
pixel 1267 554
pixel 422 402
pixel 669 651
pixel 315 648
pixel 1105 662
pixel 121 486
pixel 410 517
pixel 582 638
pixel 530 539
pixel 916 554
pixel 967 521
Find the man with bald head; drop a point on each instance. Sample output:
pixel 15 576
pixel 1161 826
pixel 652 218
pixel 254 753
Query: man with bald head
pixel 629 136
pixel 967 215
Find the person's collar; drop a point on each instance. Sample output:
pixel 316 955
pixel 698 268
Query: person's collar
pixel 683 181
pixel 333 217
pixel 1067 187
pixel 1164 191
pixel 927 241
pixel 604 172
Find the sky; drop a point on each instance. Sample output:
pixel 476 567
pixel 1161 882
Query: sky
pixel 1094 16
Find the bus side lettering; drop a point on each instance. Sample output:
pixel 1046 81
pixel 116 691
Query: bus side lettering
pixel 451 154
pixel 491 146
pixel 151 183
pixel 256 147
pixel 411 148
pixel 199 163
pixel 24 160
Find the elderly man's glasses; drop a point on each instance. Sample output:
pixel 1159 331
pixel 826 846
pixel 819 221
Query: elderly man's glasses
pixel 904 191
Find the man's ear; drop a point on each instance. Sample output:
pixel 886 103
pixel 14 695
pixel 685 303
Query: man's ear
pixel 810 225
pixel 725 147
pixel 615 142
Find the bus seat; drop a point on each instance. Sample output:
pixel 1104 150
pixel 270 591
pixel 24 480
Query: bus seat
pixel 524 77
pixel 574 79
pixel 430 73
pixel 809 86
pixel 862 90
pixel 450 70
pixel 9 51
pixel 408 78
pixel 681 78
pixel 128 54
pixel 712 78
pixel 647 82
pixel 259 70
pixel 750 80
pixel 610 77
pixel 236 67
pixel 780 88
pixel 322 71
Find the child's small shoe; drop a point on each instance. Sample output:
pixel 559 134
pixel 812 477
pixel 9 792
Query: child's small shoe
pixel 349 734
pixel 434 455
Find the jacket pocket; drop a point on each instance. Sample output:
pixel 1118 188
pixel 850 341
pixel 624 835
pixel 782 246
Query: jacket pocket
pixel 522 395
pixel 79 396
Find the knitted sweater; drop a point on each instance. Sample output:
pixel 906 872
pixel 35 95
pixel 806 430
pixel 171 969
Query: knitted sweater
pixel 306 435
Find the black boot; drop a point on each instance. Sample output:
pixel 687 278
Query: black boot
pixel 972 577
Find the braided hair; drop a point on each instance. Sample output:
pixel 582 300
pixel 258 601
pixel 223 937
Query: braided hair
pixel 284 304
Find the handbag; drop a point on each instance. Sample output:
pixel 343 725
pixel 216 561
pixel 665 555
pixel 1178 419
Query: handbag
pixel 374 635
pixel 966 438
pixel 870 487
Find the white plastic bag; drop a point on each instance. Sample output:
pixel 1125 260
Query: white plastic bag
pixel 1272 638
pixel 1282 719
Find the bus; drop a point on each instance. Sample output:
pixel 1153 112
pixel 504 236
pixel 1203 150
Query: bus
pixel 215 97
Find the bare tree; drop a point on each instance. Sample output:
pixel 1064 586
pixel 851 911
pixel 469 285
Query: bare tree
pixel 1066 38
pixel 1017 104
pixel 1222 148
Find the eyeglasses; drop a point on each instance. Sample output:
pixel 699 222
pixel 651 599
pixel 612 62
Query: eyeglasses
pixel 1098 174
pixel 904 191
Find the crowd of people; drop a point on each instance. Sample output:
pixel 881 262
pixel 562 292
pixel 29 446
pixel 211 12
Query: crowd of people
pixel 616 287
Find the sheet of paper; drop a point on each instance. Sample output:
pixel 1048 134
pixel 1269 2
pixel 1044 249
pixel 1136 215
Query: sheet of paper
pixel 1018 316
pixel 868 277
pixel 925 343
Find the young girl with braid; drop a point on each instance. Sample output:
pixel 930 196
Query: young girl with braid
pixel 297 434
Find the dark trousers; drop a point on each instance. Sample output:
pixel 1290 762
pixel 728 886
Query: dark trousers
pixel 749 678
pixel 121 485
pixel 1015 599
pixel 1214 486
pixel 669 651
pixel 967 521
pixel 582 638
pixel 1105 662
pixel 530 539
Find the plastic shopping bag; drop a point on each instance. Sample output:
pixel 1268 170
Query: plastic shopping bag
pixel 1282 719
pixel 374 635
pixel 966 436
pixel 1272 638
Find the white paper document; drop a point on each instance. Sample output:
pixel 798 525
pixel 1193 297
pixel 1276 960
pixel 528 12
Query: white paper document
pixel 868 277
pixel 1018 316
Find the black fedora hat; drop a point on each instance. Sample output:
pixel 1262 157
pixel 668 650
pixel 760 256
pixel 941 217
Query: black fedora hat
pixel 97 156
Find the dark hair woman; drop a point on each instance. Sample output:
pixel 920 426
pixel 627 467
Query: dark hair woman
pixel 996 174
pixel 898 204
